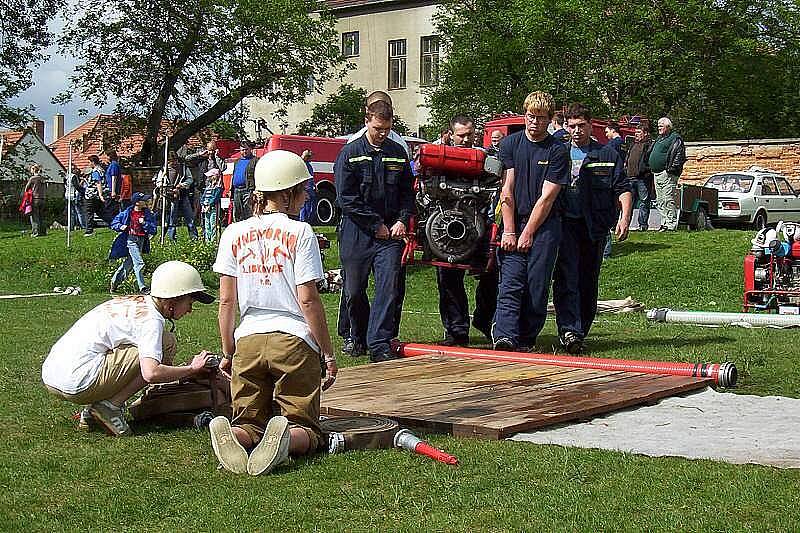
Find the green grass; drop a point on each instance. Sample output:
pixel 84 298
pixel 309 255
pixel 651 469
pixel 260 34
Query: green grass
pixel 53 478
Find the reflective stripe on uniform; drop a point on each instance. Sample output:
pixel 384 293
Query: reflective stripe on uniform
pixel 359 158
pixel 602 164
pixel 394 159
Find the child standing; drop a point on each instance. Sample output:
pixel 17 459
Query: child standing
pixel 209 202
pixel 136 224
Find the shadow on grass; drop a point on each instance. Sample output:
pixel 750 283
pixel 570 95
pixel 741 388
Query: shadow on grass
pixel 628 247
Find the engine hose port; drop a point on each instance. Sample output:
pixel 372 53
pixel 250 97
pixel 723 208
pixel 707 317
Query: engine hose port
pixel 456 230
pixel 728 375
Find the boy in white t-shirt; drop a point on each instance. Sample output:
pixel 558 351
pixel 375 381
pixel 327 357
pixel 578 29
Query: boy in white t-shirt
pixel 269 266
pixel 120 346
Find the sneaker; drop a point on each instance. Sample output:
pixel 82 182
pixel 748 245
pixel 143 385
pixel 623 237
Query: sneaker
pixel 88 234
pixel 272 450
pixel 145 290
pixel 84 418
pixel 380 357
pixel 353 348
pixel 111 417
pixel 232 455
pixel 504 344
pixel 642 228
pixel 455 341
pixel 572 342
pixel 662 229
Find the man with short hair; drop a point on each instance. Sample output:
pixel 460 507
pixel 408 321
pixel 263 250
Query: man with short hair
pixel 666 162
pixel 556 127
pixel 94 195
pixel 615 140
pixel 113 184
pixel 536 168
pixel 589 212
pixel 374 188
pixel 240 193
pixel 352 341
pixel 494 147
pixel 638 171
pixel 453 302
pixel 179 179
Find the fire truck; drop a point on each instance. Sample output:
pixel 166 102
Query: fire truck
pixel 324 152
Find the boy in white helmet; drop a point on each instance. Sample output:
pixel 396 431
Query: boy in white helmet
pixel 120 346
pixel 269 266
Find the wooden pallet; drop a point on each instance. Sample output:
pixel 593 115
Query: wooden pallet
pixel 488 399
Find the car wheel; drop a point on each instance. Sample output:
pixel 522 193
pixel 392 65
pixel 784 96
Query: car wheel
pixel 327 211
pixel 760 220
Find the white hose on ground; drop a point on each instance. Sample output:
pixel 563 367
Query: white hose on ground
pixel 723 319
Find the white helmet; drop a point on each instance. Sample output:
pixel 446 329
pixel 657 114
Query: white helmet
pixel 279 170
pixel 176 278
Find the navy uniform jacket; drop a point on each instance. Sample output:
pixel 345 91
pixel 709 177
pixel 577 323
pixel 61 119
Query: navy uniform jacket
pixel 374 186
pixel 533 163
pixel 601 181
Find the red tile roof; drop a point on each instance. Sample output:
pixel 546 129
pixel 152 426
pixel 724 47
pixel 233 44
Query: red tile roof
pixel 345 4
pixel 11 138
pixel 87 139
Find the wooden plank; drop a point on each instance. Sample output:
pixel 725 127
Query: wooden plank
pixel 490 399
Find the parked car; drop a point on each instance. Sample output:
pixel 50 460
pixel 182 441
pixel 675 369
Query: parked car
pixel 755 197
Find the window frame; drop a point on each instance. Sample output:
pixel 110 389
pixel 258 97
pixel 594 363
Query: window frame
pixel 356 41
pixel 402 61
pixel 434 81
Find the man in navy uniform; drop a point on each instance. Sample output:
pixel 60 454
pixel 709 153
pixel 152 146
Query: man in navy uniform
pixel 537 167
pixel 590 210
pixel 453 302
pixel 374 188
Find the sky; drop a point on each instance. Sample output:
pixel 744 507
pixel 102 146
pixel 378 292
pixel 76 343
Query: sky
pixel 49 79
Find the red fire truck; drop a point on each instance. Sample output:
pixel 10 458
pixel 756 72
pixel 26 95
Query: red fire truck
pixel 324 152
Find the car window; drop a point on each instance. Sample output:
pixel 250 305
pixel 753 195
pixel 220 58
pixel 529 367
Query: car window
pixel 768 186
pixel 784 187
pixel 730 182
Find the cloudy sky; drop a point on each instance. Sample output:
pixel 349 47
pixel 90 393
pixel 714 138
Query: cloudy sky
pixel 49 79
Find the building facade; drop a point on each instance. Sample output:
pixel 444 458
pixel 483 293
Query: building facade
pixel 393 46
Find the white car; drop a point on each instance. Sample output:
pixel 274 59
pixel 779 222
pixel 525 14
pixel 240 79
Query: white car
pixel 755 197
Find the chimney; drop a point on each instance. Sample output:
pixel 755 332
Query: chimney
pixel 38 127
pixel 58 126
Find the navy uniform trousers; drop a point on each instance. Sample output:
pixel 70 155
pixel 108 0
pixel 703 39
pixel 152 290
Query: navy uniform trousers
pixel 524 285
pixel 575 281
pixel 360 254
pixel 454 306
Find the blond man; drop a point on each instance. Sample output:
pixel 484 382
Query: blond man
pixel 537 166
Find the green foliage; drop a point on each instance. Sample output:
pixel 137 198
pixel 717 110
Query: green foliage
pixel 224 129
pixel 188 58
pixel 713 67
pixel 342 113
pixel 55 478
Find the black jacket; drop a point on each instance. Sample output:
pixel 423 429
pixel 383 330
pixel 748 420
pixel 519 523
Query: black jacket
pixel 644 161
pixel 602 181
pixel 676 157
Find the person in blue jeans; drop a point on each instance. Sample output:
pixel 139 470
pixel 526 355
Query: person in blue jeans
pixel 180 178
pixel 135 225
pixel 209 203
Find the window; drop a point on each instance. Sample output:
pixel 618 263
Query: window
pixel 768 186
pixel 350 44
pixel 784 187
pixel 397 64
pixel 429 60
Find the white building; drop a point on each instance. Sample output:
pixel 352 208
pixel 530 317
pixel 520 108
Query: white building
pixel 394 48
pixel 25 148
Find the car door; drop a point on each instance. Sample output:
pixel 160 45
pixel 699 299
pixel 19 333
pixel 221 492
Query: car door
pixel 770 199
pixel 791 203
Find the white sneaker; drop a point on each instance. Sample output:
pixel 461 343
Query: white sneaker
pixel 230 453
pixel 273 449
pixel 111 417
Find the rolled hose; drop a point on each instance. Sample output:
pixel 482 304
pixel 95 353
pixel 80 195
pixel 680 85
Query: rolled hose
pixel 721 319
pixel 724 374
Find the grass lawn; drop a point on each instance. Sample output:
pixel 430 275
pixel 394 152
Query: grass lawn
pixel 54 478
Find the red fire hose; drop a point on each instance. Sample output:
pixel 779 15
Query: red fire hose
pixel 724 374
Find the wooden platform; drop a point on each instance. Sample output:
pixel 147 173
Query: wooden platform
pixel 489 399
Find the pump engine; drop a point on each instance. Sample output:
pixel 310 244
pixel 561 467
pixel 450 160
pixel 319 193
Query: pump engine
pixel 455 189
pixel 772 270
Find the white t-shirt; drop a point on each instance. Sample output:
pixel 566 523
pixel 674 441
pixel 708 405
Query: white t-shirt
pixel 270 255
pixel 393 135
pixel 75 359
